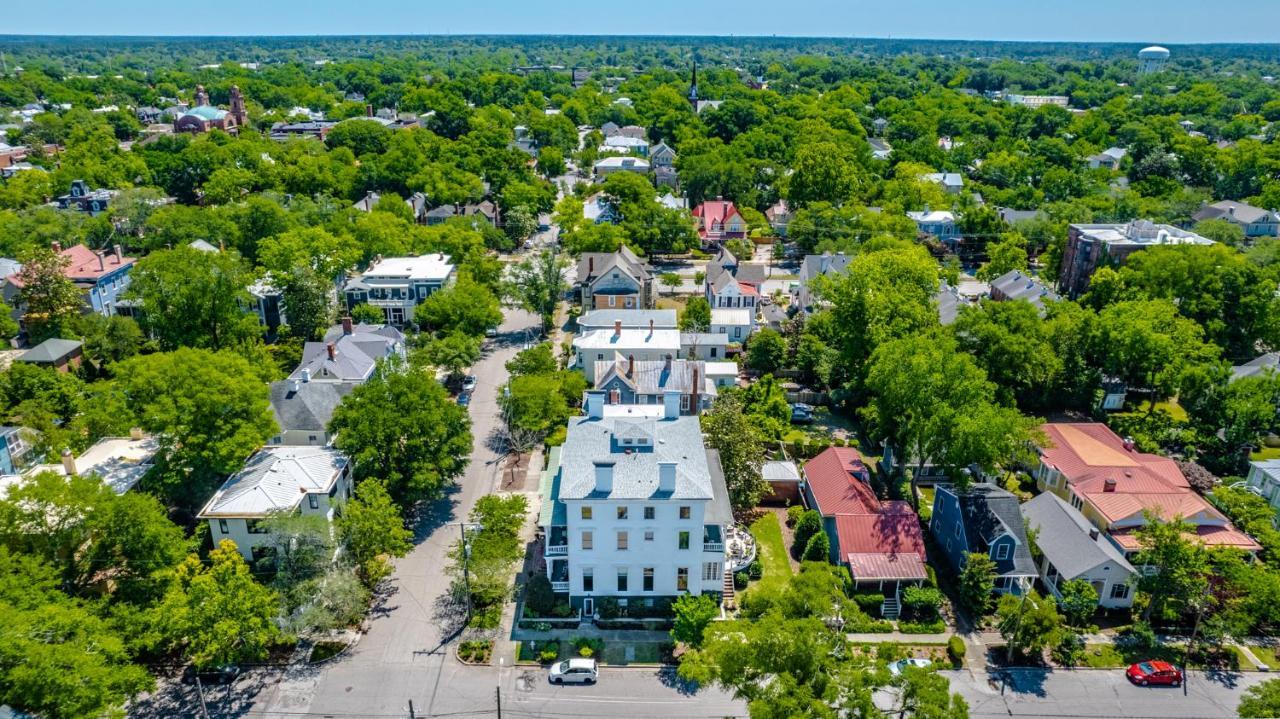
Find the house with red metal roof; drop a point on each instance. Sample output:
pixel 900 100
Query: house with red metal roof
pixel 880 542
pixel 1114 485
pixel 102 275
pixel 718 220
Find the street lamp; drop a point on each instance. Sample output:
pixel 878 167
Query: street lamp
pixel 464 527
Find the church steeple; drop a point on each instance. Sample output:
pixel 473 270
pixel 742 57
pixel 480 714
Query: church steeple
pixel 693 86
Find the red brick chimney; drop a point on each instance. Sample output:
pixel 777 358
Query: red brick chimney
pixel 346 325
pixel 617 328
pixel 1109 485
pixel 693 401
pixel 333 351
pixel 631 365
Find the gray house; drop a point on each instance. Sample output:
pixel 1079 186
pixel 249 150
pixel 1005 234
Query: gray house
pixel 1255 221
pixel 631 381
pixel 303 409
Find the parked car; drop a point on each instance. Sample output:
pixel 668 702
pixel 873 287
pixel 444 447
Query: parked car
pixel 491 332
pixel 216 675
pixel 469 383
pixel 801 413
pixel 901 665
pixel 1154 671
pixel 464 399
pixel 574 671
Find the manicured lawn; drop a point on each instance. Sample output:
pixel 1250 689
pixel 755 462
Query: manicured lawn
pixel 1174 409
pixel 672 303
pixel 770 549
pixel 616 653
pixel 1108 656
pixel 1267 655
pixel 1265 454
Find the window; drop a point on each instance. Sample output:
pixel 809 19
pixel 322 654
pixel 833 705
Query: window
pixel 622 580
pixel 710 571
pixel 684 540
pixel 586 513
pixel 222 526
pixel 684 512
pixel 648 512
pixel 256 526
pixel 586 540
pixel 311 438
pixel 647 579
pixel 622 511
pixel 957 530
pixel 648 535
pixel 713 352
pixel 622 541
pixel 588 579
pixel 599 355
pixel 1120 591
pixel 1077 502
pixel 313 501
pixel 1002 552
pixel 682 579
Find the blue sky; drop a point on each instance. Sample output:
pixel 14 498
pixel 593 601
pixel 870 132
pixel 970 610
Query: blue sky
pixel 1168 21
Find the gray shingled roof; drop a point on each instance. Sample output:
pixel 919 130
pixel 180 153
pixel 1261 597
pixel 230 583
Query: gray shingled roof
pixel 990 512
pixel 635 474
pixel 1257 366
pixel 50 351
pixel 948 304
pixel 1017 285
pixel 310 407
pixel 355 354
pixel 1234 211
pixel 1064 537
pixel 824 264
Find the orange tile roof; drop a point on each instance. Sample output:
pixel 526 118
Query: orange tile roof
pixel 1210 535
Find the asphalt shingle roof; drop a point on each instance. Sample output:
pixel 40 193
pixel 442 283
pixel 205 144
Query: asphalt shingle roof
pixel 989 512
pixel 1064 537
pixel 635 472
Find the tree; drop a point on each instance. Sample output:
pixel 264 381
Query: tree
pixel 491 550
pixel 550 162
pixel 308 303
pixel 928 695
pixel 1220 230
pixel 208 411
pixel 535 404
pixel 1261 700
pixel 535 360
pixel 454 352
pixel 1010 253
pixel 519 224
pixel 190 298
pixel 809 525
pixel 1029 624
pixel 728 430
pixel 692 612
pixel 822 173
pixel 217 614
pixel 817 549
pixel 766 351
pixel 59 658
pixel 49 299
pixel 538 284
pixel 670 280
pixel 1013 345
pixel 108 339
pixel 401 427
pixel 696 316
pixel 466 306
pixel 976 583
pixel 1180 564
pixel 8 326
pixel 371 529
pixel 365 313
pixel 1078 601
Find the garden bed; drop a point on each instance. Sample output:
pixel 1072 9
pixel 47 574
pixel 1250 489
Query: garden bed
pixel 477 652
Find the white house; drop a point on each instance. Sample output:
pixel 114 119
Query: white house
pixel 711 346
pixel 622 143
pixel 630 319
pixel 736 324
pixel 609 165
pixel 1264 480
pixel 277 480
pixel 640 344
pixel 638 508
pixel 1072 548
pixel 397 285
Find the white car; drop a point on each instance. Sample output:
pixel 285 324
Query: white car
pixel 469 383
pixel 901 665
pixel 574 671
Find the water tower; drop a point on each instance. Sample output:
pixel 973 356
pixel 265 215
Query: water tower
pixel 1152 59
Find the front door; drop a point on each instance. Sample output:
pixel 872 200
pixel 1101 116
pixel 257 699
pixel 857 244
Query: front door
pixel 589 607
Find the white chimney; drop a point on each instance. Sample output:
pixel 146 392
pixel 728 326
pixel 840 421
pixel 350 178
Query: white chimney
pixel 595 403
pixel 69 462
pixel 604 475
pixel 666 476
pixel 671 403
pixel 306 374
pixel 294 386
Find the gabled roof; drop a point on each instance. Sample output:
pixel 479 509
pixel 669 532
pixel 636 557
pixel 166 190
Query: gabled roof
pixel 838 479
pixel 650 377
pixel 596 264
pixel 715 211
pixel 50 351
pixel 989 512
pixel 1257 366
pixel 629 339
pixel 825 264
pixel 275 479
pixel 1064 537
pixel 306 406
pixel 354 355
pixel 1088 453
pixel 631 319
pixel 84 265
pixel 1236 212
pixel 730 316
pixel 1017 285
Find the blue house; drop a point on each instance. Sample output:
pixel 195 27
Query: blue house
pixel 984 519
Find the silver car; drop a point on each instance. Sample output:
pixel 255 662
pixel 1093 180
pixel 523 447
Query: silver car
pixel 574 671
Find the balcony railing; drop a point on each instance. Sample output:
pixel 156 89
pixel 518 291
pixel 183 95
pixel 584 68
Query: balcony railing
pixel 713 546
pixel 559 586
pixel 557 550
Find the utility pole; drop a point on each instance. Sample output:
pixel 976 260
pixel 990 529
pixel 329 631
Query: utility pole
pixel 411 714
pixel 204 710
pixel 1195 629
pixel 498 689
pixel 466 561
pixel 1017 626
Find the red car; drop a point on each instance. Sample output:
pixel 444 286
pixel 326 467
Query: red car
pixel 1154 672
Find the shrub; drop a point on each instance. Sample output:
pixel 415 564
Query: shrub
pixel 809 524
pixel 1070 649
pixel 558 436
pixel 869 603
pixel 588 646
pixel 755 570
pixel 740 580
pixel 955 650
pixel 794 513
pixel 549 654
pixel 867 625
pixel 818 549
pixel 936 626
pixel 608 608
pixel 922 601
pixel 538 596
pixel 1140 637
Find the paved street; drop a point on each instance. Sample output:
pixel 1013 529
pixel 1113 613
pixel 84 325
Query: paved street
pixel 405 657
pixel 1099 693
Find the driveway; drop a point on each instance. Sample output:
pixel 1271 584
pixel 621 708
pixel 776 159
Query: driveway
pixel 1098 693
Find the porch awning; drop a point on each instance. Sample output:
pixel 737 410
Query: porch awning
pixel 898 566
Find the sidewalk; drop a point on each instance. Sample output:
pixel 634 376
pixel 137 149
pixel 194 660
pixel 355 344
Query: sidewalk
pixel 591 631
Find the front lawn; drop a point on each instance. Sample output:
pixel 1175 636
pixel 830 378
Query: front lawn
pixel 1265 453
pixel 1110 656
pixel 771 551
pixel 1267 655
